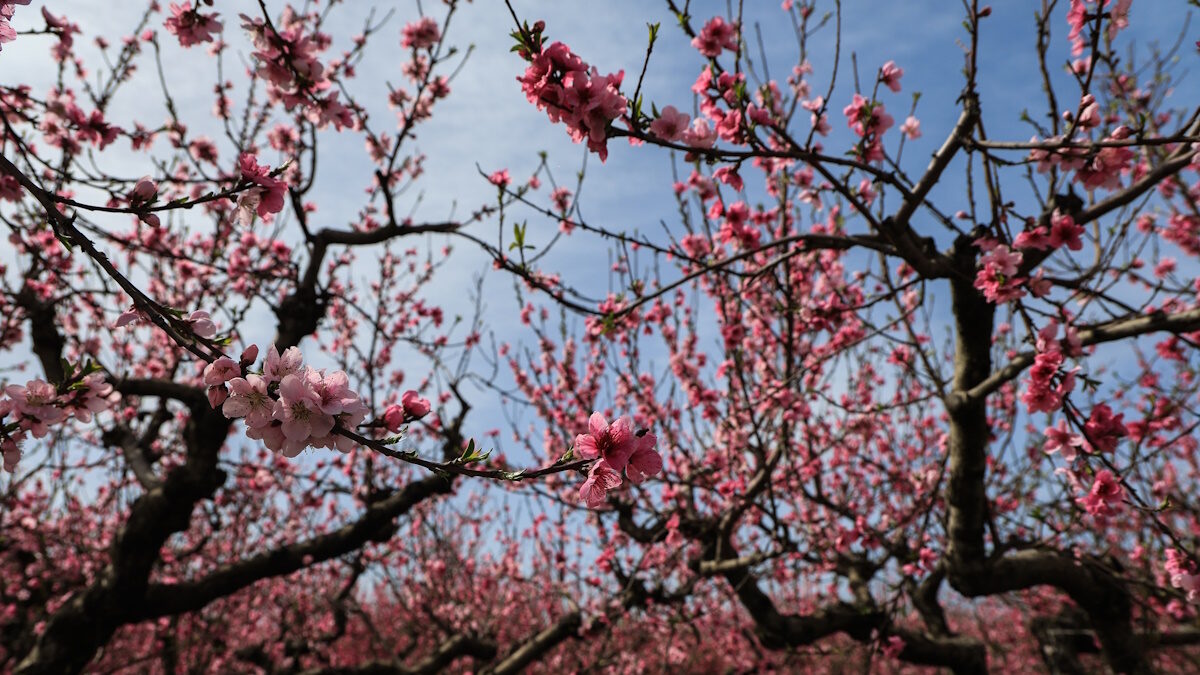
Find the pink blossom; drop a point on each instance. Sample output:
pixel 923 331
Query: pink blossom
pixel 201 323
pixel 299 409
pixel 248 357
pixel 144 192
pixel 645 462
pixel 37 403
pixel 1077 18
pixel 1103 500
pixel 278 367
pixel 893 646
pixel 190 26
pixel 249 399
pixel 1061 438
pixel 561 198
pixel 8 34
pixel 700 135
pixel 333 391
pixel 612 442
pixel 9 448
pixel 414 406
pixel 867 117
pixel 271 434
pixel 421 34
pixel 890 75
pixel 716 35
pixel 131 315
pixel 1033 239
pixel 65 31
pixel 342 403
pixel 670 125
pixel 560 83
pixel 996 275
pixel 911 128
pixel 1089 113
pixel 729 175
pixel 1103 429
pixel 500 178
pixel 266 200
pixel 393 418
pixel 1183 573
pixel 601 478
pixel 1064 231
pixel 221 371
pixel 1041 395
pixel 92 395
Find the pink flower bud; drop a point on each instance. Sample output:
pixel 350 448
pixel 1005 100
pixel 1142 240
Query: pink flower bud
pixel 144 191
pixel 415 407
pixel 393 418
pixel 249 356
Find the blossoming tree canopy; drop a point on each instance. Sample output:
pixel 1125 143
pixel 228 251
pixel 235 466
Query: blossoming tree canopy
pixel 878 385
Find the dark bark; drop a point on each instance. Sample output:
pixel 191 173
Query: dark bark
pixel 970 570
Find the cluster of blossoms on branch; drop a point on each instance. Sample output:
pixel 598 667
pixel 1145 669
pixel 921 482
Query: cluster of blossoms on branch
pixel 421 34
pixel 287 60
pixel 31 410
pixel 617 448
pixel 290 406
pixel 998 268
pixel 570 91
pixel 1047 386
pixel 66 125
pixel 266 199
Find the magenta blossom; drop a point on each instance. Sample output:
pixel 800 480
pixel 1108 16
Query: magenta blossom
pixel 613 443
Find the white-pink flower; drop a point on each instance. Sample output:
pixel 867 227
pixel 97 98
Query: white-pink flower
pixel 202 323
pixel 700 135
pixel 36 402
pixel 92 396
pixel 299 409
pixel 249 399
pixel 278 367
pixel 670 125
